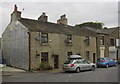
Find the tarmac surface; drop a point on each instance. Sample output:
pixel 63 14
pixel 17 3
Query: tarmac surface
pixel 99 75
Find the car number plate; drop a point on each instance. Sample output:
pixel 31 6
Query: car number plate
pixel 66 67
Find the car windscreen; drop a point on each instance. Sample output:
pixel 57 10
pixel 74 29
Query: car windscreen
pixel 68 62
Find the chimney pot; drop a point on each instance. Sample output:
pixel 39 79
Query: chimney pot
pixel 43 13
pixel 15 7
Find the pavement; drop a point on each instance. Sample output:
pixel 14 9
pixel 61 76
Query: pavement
pixel 48 71
pixel 8 71
pixel 11 69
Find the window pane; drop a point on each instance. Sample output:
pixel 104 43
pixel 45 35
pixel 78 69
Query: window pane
pixel 44 56
pixel 87 55
pixel 44 38
pixel 44 35
pixel 69 53
pixel 102 40
pixel 112 42
pixel 87 40
pixel 69 37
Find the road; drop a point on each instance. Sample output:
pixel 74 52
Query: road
pixel 99 75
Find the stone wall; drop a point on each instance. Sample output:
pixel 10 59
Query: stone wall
pixel 56 45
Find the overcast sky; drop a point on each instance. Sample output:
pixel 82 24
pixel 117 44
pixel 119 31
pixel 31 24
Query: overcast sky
pixel 77 12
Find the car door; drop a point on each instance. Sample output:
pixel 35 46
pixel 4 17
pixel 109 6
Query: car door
pixel 110 61
pixel 80 64
pixel 86 65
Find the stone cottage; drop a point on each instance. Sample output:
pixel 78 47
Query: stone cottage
pixel 102 40
pixel 27 42
pixel 114 46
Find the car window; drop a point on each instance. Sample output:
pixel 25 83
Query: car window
pixel 68 62
pixel 111 59
pixel 107 59
pixel 75 62
pixel 79 62
pixel 100 59
pixel 85 62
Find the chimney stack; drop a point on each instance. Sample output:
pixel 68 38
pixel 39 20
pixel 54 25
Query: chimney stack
pixel 62 20
pixel 16 14
pixel 43 17
pixel 15 7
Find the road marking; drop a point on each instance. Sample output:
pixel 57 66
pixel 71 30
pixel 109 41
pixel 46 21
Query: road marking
pixel 70 75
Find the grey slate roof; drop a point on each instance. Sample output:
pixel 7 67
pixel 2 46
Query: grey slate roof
pixel 48 27
pixel 110 30
pixel 96 30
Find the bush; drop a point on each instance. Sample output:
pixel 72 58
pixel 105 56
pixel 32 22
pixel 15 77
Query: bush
pixel 45 66
pixel 42 66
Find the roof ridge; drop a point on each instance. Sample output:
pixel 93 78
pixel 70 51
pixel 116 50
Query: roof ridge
pixel 46 22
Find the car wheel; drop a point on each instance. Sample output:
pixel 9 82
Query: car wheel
pixel 77 70
pixel 98 66
pixel 107 66
pixel 92 68
pixel 115 64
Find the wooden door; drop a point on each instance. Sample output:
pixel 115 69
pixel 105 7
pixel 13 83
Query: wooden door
pixel 94 58
pixel 56 61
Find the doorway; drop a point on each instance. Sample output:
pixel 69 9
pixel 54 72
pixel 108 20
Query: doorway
pixel 56 61
pixel 117 55
pixel 94 58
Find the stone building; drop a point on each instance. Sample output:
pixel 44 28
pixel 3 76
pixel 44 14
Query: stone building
pixel 27 43
pixel 102 40
pixel 114 46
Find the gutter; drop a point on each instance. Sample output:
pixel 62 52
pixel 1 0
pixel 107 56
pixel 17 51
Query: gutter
pixel 29 50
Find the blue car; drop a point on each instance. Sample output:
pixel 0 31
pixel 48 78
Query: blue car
pixel 106 62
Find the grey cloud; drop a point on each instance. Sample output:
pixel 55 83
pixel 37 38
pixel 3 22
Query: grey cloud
pixel 80 12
